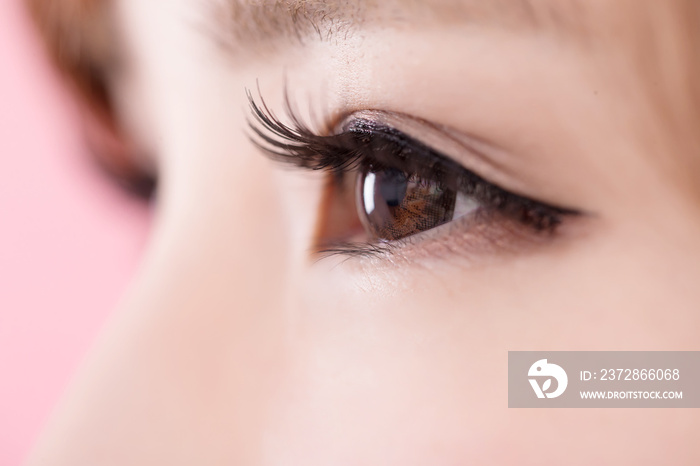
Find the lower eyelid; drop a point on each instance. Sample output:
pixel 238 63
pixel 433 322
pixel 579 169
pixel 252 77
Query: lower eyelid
pixel 482 237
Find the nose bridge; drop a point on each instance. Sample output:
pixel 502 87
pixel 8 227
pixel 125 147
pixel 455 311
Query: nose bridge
pixel 223 259
pixel 219 232
pixel 193 353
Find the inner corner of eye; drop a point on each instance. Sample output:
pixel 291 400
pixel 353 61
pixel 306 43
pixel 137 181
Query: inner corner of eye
pixel 338 221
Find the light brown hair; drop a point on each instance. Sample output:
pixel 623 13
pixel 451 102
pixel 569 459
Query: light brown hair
pixel 79 40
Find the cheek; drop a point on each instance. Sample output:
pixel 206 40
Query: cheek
pixel 362 369
pixel 314 359
pixel 412 365
pixel 406 366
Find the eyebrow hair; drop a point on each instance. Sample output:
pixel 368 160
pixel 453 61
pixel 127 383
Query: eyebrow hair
pixel 246 24
pixel 255 23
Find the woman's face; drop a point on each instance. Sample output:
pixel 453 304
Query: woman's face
pixel 241 343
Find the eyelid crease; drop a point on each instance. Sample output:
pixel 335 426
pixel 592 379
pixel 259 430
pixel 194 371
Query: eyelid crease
pixel 440 137
pixel 298 144
pixel 298 139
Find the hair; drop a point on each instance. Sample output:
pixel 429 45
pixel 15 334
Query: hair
pixel 80 42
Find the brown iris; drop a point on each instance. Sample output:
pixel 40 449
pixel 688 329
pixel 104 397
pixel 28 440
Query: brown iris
pixel 393 204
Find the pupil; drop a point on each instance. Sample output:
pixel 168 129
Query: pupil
pixel 394 204
pixel 392 186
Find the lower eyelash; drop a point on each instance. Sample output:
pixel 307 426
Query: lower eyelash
pixel 465 238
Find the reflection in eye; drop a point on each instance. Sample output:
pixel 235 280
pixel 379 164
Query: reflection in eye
pixel 401 186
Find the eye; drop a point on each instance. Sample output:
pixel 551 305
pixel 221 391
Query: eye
pixel 393 204
pixel 385 186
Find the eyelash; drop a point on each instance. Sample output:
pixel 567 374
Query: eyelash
pixel 343 152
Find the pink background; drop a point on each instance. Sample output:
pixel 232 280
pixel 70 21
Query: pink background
pixel 69 241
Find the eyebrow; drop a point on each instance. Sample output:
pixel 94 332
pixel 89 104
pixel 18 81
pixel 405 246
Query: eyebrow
pixel 255 24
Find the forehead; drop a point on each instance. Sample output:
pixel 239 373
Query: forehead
pixel 267 21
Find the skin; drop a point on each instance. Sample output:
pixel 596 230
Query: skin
pixel 236 345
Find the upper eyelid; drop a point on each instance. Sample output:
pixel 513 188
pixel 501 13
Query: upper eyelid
pixel 480 157
pixel 297 134
pixel 422 153
pixel 297 131
pixel 444 139
pixel 300 137
pixel 468 175
pixel 303 147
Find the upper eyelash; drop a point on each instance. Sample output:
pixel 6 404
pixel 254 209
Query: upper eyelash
pixel 297 144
